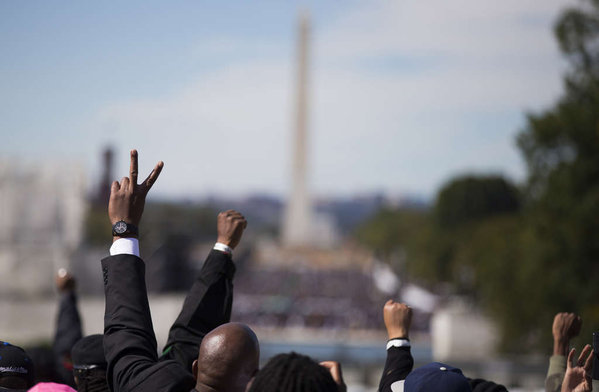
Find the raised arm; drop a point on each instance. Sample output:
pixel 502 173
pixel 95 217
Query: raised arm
pixel 398 319
pixel 129 340
pixel 68 326
pixel 566 326
pixel 208 303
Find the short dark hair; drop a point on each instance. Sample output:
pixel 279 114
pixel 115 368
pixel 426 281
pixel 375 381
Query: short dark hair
pixel 293 372
pixel 91 380
pixel 89 364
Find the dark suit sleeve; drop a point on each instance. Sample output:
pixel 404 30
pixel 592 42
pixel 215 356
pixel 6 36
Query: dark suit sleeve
pixel 480 385
pixel 68 332
pixel 129 341
pixel 207 305
pixel 398 365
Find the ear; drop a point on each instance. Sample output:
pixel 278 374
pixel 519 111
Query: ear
pixel 194 369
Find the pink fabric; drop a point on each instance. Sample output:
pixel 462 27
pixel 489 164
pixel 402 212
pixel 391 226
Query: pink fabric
pixel 51 387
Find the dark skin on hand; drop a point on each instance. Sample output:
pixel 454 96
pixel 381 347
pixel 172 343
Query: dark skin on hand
pixel 566 326
pixel 229 226
pixel 127 198
pixel 398 319
pixel 64 281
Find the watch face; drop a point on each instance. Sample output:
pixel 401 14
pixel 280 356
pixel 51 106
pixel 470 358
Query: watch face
pixel 120 227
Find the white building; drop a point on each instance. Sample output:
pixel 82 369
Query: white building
pixel 42 210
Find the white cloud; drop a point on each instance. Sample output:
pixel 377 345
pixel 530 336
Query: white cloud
pixel 374 123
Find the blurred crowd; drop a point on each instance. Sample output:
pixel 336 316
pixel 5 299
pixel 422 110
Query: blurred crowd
pixel 309 298
pixel 205 351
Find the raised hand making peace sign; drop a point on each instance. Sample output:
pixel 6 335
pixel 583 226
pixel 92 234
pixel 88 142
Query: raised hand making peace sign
pixel 127 198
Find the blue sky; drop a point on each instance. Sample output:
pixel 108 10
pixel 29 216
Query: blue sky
pixel 404 94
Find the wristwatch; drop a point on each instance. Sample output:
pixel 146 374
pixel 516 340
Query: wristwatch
pixel 124 229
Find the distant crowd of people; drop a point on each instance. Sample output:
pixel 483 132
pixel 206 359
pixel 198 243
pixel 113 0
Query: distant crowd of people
pixel 205 351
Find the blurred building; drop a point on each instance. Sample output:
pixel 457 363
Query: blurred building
pixel 100 199
pixel 42 209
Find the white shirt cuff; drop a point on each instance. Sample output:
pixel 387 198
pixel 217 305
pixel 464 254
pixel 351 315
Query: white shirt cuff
pixel 125 246
pixel 398 343
pixel 223 248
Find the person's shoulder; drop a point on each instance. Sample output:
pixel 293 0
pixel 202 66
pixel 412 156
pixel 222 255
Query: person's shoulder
pixel 164 376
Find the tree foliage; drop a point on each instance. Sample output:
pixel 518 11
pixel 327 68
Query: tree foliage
pixel 561 149
pixel 469 198
pixel 526 255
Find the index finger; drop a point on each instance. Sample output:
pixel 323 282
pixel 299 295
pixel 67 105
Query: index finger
pixel 148 182
pixel 570 358
pixel 133 169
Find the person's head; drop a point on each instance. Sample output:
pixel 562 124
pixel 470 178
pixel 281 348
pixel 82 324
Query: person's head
pixel 434 376
pixel 89 364
pixel 293 372
pixel 228 359
pixel 16 368
pixel 51 387
pixel 44 363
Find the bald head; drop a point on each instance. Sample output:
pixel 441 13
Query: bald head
pixel 229 357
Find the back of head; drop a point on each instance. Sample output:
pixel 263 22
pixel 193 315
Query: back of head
pixel 434 376
pixel 293 373
pixel 229 357
pixel 16 368
pixel 89 364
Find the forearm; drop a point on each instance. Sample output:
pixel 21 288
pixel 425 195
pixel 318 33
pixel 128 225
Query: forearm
pixel 561 346
pixel 68 323
pixel 207 305
pixel 67 333
pixel 398 365
pixel 129 341
pixel 555 373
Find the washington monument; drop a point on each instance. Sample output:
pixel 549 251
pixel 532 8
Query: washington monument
pixel 297 230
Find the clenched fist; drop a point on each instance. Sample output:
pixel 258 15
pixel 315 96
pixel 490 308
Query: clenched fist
pixel 230 225
pixel 398 318
pixel 565 327
pixel 64 281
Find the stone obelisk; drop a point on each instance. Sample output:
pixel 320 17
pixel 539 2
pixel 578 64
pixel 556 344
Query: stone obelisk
pixel 296 226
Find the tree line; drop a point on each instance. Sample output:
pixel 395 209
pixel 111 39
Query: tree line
pixel 523 252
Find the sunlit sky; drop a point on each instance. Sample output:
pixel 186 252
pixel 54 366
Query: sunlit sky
pixel 403 94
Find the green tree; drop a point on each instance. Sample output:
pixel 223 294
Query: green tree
pixel 524 264
pixel 432 240
pixel 472 198
pixel 561 148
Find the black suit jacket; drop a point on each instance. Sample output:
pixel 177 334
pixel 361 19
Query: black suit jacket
pixel 68 332
pixel 207 305
pixel 129 340
pixel 398 365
